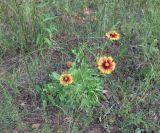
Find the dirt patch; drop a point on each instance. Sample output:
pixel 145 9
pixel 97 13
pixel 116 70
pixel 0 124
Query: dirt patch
pixel 95 128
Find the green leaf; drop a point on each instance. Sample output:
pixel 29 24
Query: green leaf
pixel 50 98
pixel 47 41
pixel 50 87
pixel 54 76
pixel 39 40
pixel 62 97
pixel 45 91
pixel 49 32
pixel 44 103
pixel 138 130
pixel 48 18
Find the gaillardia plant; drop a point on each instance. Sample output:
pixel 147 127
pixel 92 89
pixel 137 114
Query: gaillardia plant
pixel 106 64
pixel 113 35
pixel 80 88
pixel 66 79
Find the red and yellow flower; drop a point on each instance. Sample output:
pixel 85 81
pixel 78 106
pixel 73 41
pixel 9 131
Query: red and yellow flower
pixel 66 79
pixel 113 35
pixel 106 64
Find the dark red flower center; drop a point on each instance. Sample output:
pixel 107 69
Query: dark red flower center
pixel 113 35
pixel 66 79
pixel 106 64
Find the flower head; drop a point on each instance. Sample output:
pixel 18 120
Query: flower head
pixel 106 64
pixel 113 35
pixel 66 79
pixel 69 64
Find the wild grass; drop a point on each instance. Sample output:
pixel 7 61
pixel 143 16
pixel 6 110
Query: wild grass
pixel 37 37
